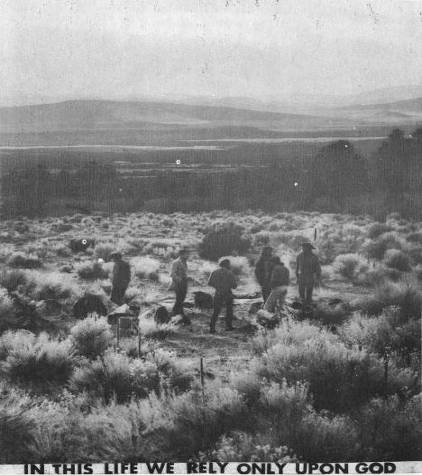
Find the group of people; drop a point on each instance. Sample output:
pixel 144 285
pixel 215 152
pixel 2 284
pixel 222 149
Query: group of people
pixel 273 276
pixel 271 273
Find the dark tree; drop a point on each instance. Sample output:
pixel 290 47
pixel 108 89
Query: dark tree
pixel 337 171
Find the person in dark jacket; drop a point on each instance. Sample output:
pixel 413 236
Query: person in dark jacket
pixel 308 272
pixel 223 281
pixel 179 278
pixel 120 278
pixel 279 282
pixel 263 271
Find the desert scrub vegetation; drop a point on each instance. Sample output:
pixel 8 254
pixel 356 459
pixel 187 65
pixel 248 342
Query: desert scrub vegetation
pixel 340 378
pixel 39 362
pixel 223 240
pixel 24 261
pixel 116 375
pixel 309 390
pixel 91 271
pixel 91 337
pixel 145 268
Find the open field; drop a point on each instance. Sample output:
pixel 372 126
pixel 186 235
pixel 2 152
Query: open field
pixel 343 385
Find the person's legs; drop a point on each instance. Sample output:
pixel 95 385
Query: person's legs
pixel 276 299
pixel 265 293
pixel 309 291
pixel 270 303
pixel 229 314
pixel 302 291
pixel 117 294
pixel 181 291
pixel 216 312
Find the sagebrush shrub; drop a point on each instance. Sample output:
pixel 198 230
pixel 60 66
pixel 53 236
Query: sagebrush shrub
pixel 376 229
pixel 92 271
pixel 339 378
pixel 145 267
pixel 222 241
pixel 103 251
pixel 91 337
pixel 19 259
pixel 390 429
pixel 243 446
pixel 116 375
pixel 397 259
pixel 350 266
pixel 40 362
pixel 12 279
pixel 16 428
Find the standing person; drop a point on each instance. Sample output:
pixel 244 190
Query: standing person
pixel 120 278
pixel 263 271
pixel 179 276
pixel 223 281
pixel 308 272
pixel 279 283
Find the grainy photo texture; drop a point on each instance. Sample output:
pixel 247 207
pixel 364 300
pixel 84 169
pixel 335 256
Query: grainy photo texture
pixel 211 231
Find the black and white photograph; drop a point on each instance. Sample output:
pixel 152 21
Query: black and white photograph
pixel 210 236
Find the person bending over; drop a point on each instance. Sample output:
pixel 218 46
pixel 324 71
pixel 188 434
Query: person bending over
pixel 279 283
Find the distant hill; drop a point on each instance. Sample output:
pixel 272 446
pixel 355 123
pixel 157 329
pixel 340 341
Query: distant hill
pixel 404 107
pixel 101 115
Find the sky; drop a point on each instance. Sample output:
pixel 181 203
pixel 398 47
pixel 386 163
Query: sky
pixel 59 49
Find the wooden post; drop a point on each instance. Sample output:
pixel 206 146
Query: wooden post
pixel 386 359
pixel 201 374
pixel 139 342
pixel 118 332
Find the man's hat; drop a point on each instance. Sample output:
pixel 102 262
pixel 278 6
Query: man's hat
pixel 224 262
pixel 308 244
pixel 116 255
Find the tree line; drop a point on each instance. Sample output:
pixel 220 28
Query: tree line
pixel 336 179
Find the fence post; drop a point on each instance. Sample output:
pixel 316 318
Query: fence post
pixel 201 375
pixel 139 342
pixel 118 332
pixel 386 359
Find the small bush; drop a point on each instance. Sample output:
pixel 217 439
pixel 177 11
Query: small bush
pixel 91 271
pixel 376 249
pixel 242 446
pixel 91 337
pixel 397 260
pixel 331 314
pixel 414 238
pixel 13 279
pixel 350 266
pixel 7 311
pixel 18 259
pixel 377 229
pixel 222 241
pixel 390 429
pixel 339 378
pixel 116 375
pixel 145 268
pixel 103 251
pixel 39 361
pixel 386 332
pixel 16 428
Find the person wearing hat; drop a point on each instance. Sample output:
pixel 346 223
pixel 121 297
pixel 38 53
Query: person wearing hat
pixel 263 270
pixel 308 272
pixel 179 277
pixel 120 278
pixel 279 282
pixel 223 281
